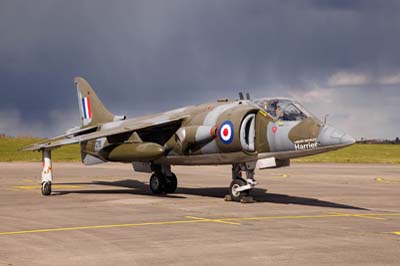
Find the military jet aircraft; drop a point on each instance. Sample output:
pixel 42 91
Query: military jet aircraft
pixel 245 133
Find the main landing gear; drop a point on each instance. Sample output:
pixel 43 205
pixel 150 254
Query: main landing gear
pixel 163 180
pixel 47 173
pixel 240 188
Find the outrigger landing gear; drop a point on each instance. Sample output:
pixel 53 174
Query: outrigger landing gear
pixel 240 188
pixel 47 174
pixel 46 188
pixel 163 180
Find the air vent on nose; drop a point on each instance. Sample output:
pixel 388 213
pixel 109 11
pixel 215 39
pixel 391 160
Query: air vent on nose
pixel 247 133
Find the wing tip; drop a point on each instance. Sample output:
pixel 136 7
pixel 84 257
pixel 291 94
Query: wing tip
pixel 34 147
pixel 29 148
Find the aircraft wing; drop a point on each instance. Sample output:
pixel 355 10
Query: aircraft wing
pixel 123 127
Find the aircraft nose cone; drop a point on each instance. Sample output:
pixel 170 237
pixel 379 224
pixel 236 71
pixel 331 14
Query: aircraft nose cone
pixel 330 136
pixel 347 140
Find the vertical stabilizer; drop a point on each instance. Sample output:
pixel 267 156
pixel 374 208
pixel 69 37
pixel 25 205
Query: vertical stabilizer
pixel 92 110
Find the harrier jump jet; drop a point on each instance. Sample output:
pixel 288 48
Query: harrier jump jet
pixel 245 133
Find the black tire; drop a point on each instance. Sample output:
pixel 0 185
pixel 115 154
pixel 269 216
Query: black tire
pixel 171 183
pixel 157 183
pixel 46 188
pixel 237 195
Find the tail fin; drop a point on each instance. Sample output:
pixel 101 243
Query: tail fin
pixel 92 110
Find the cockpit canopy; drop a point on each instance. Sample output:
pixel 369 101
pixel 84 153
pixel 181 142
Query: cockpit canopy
pixel 283 109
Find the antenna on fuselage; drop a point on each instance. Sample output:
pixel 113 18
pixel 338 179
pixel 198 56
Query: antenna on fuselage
pixel 241 97
pixel 326 119
pixel 247 96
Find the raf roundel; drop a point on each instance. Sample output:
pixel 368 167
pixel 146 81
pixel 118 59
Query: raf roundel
pixel 225 132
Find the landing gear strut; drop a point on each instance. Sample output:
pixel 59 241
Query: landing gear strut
pixel 240 188
pixel 47 174
pixel 163 180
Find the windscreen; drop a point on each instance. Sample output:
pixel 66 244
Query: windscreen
pixel 284 109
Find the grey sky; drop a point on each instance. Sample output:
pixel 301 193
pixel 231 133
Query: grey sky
pixel 337 57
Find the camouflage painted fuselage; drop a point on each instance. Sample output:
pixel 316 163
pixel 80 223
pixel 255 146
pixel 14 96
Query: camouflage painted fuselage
pixel 224 132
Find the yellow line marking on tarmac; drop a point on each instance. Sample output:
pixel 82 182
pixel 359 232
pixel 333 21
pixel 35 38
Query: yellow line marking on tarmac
pixel 53 186
pixel 305 216
pixel 197 220
pixel 284 217
pixel 396 233
pixel 281 176
pixel 212 220
pixel 385 181
pixel 367 216
pixel 100 227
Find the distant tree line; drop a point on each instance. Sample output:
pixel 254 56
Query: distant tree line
pixel 379 141
pixel 20 136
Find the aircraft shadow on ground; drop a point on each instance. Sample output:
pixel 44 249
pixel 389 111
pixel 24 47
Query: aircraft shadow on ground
pixel 259 194
pixel 136 188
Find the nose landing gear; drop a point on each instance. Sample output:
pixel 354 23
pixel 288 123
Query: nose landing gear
pixel 240 188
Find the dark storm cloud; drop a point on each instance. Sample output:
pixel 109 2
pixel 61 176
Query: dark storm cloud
pixel 149 56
